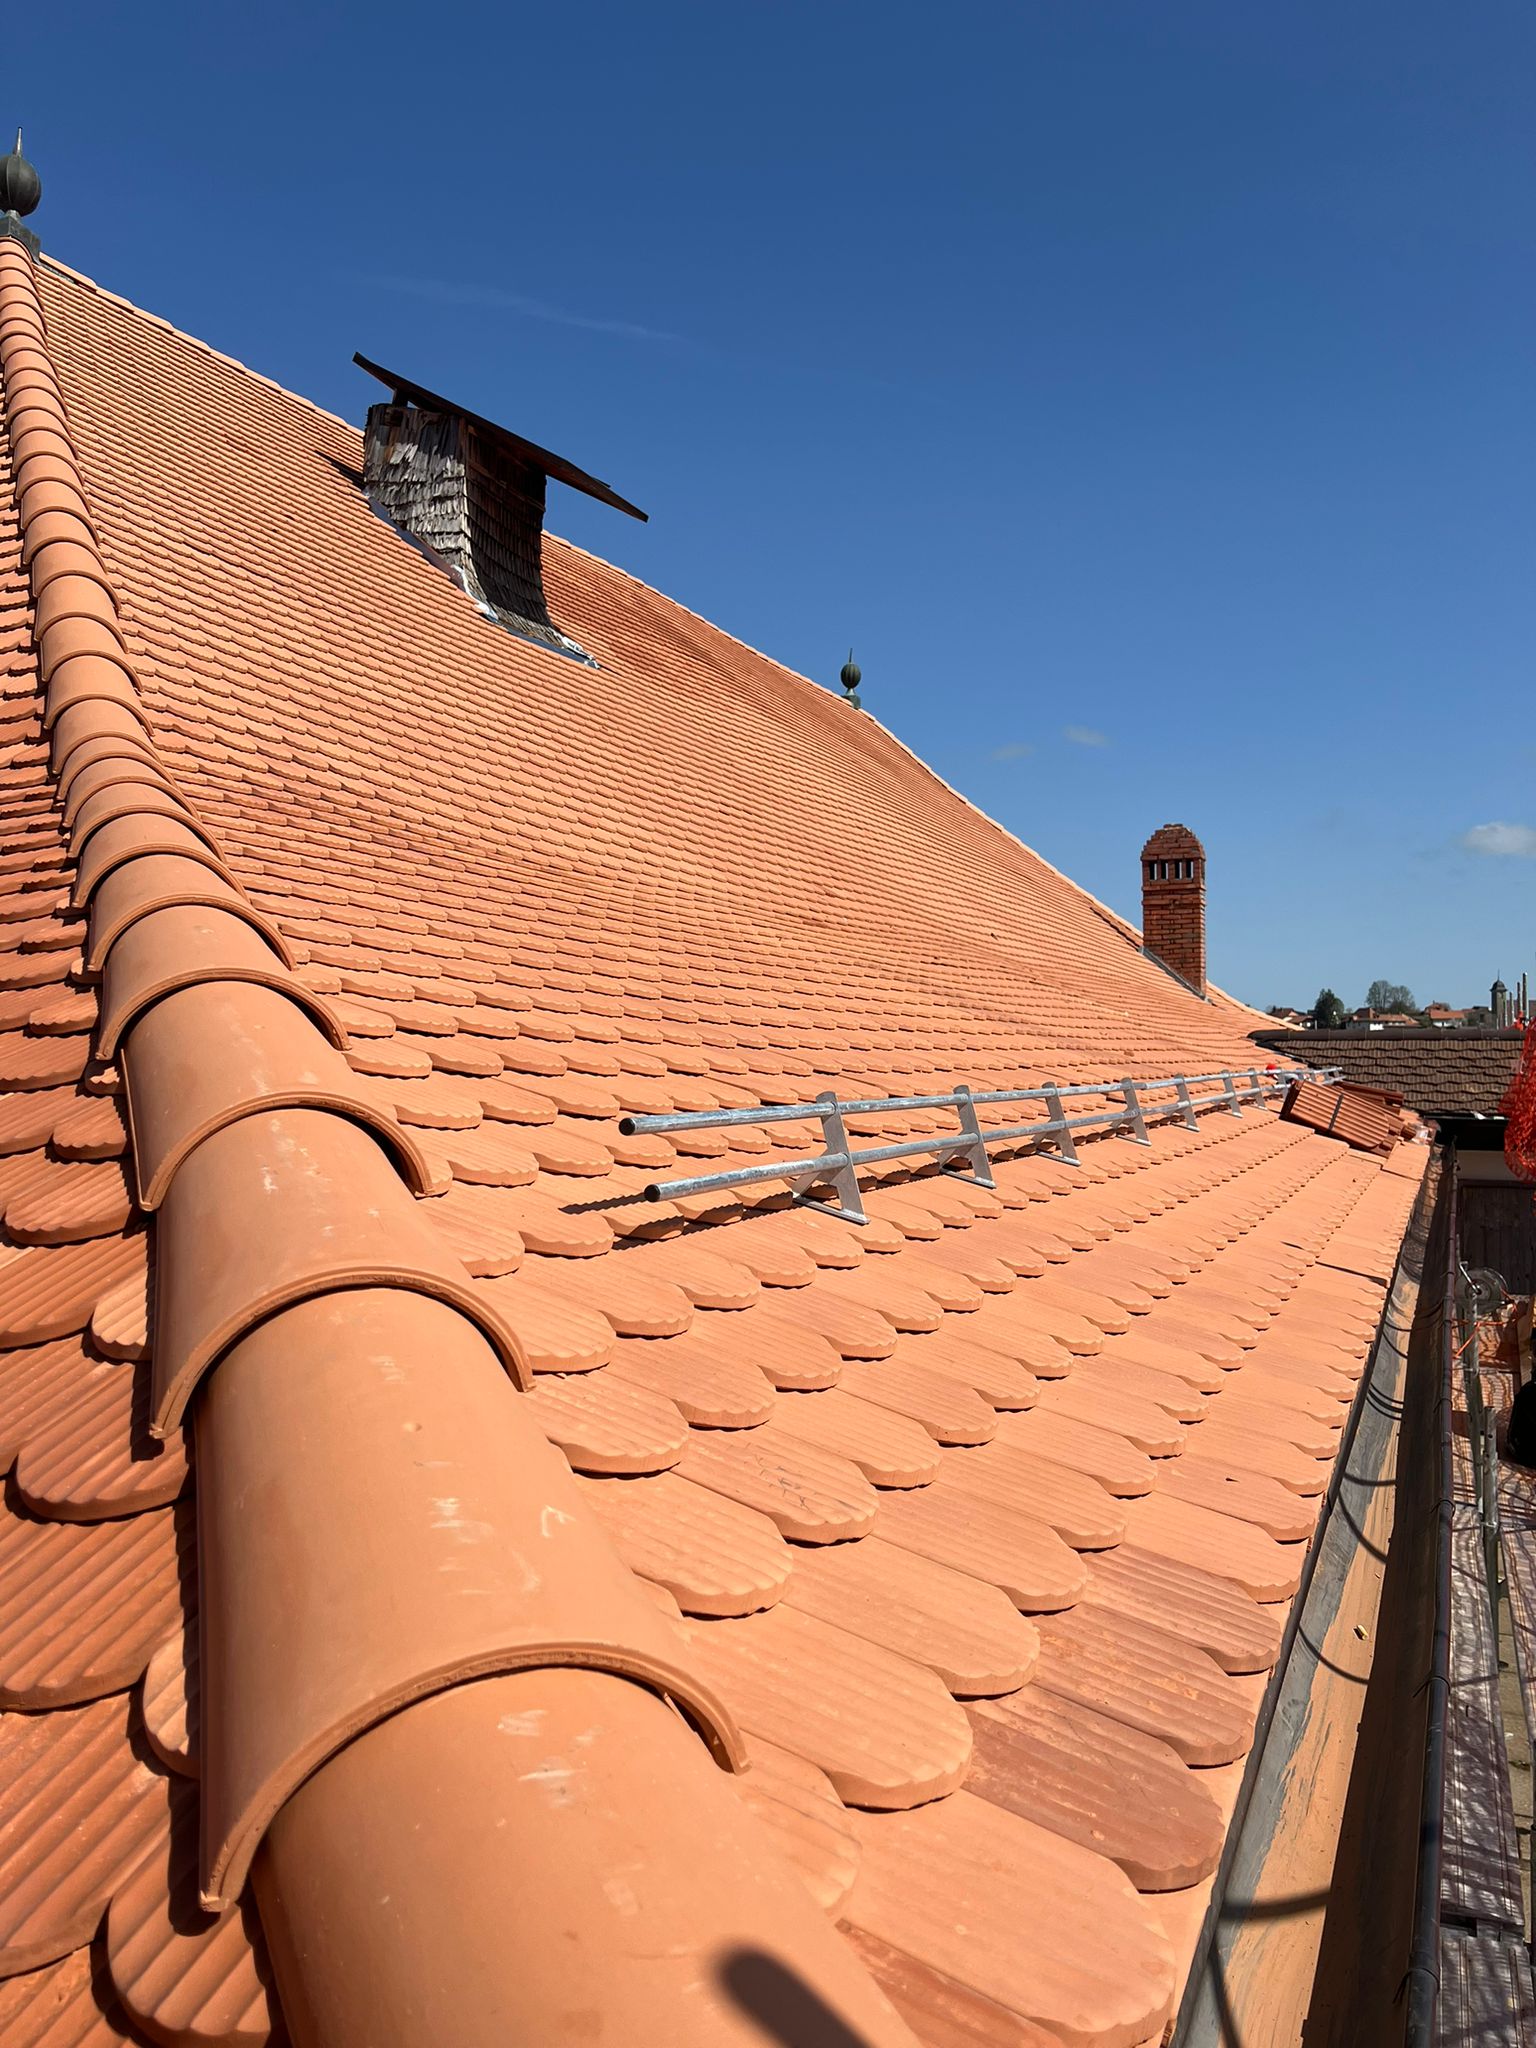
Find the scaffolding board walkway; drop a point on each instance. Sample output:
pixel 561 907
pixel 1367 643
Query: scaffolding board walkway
pixel 1485 1991
pixel 1480 1868
pixel 1484 1997
pixel 1517 1549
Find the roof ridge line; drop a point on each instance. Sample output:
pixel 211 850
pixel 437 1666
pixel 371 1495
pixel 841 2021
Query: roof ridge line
pixel 247 1197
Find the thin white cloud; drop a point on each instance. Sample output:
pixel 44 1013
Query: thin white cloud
pixel 1015 750
pixel 1503 842
pixel 1084 736
pixel 444 292
pixel 449 292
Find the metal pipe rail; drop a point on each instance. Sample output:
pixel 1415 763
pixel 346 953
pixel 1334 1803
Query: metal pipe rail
pixel 837 1165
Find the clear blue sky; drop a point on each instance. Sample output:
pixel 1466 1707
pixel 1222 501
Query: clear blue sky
pixel 1143 389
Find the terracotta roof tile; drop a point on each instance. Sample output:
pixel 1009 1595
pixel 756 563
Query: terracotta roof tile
pixel 942 2011
pixel 77 1814
pixel 1050 1449
pixel 50 1292
pixel 748 1907
pixel 1203 1608
pixel 885 1731
pixel 68 2004
pixel 182 1974
pixel 1025 1919
pixel 968 1634
pixel 168 1697
pixel 806 1818
pixel 86 1452
pixel 84 1603
pixel 715 1555
pixel 606 1424
pixel 1098 1781
pixel 811 1495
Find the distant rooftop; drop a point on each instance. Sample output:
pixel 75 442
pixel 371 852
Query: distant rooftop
pixel 1438 1072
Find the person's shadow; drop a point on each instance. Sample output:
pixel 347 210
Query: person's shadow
pixel 787 2009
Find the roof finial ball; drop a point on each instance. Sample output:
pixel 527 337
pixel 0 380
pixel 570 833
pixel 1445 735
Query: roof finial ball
pixel 20 190
pixel 851 677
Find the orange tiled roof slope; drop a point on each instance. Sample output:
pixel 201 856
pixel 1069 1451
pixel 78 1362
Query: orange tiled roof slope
pixel 340 927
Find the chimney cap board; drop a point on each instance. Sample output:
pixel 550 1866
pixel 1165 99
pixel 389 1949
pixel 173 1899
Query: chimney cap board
pixel 552 465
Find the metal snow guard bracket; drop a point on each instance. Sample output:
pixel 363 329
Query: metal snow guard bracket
pixel 962 1152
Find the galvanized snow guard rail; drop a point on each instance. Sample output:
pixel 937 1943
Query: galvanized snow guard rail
pixel 837 1166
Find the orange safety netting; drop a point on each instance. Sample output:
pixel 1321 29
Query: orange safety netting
pixel 1519 1108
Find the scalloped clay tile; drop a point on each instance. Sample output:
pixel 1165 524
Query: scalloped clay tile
pixel 186 1976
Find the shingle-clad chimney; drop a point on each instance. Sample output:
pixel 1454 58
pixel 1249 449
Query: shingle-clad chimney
pixel 472 495
pixel 1173 903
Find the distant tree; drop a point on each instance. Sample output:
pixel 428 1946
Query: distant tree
pixel 1327 1011
pixel 1390 995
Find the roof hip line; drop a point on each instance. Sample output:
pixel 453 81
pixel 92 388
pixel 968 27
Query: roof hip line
pixel 359 1735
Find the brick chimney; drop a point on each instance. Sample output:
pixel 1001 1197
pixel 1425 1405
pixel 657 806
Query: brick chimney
pixel 1173 903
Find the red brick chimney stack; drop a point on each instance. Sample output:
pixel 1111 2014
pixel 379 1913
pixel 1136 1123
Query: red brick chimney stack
pixel 1173 903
